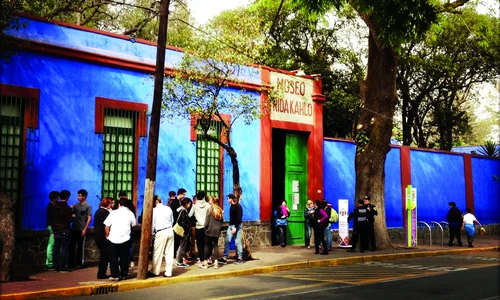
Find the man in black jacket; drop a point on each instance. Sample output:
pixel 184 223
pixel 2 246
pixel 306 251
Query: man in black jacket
pixel 371 223
pixel 61 220
pixel 361 223
pixel 455 220
pixel 234 230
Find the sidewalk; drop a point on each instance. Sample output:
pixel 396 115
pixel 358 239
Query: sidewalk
pixel 32 282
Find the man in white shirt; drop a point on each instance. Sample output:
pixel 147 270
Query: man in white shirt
pixel 163 218
pixel 117 230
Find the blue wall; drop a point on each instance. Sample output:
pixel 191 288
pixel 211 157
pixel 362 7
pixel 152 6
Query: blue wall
pixel 340 178
pixel 486 189
pixel 66 153
pixel 439 179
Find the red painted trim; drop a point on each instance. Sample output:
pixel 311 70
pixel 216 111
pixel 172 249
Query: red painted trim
pixel 292 126
pixel 32 105
pixel 141 128
pixel 141 108
pixel 31 116
pixel 405 163
pixel 193 135
pixel 266 164
pixel 469 186
pixel 315 153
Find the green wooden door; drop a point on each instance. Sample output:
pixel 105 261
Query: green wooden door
pixel 296 185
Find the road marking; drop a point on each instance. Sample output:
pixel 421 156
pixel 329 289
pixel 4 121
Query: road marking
pixel 269 292
pixel 415 267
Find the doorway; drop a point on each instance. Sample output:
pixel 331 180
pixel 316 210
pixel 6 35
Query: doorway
pixel 289 174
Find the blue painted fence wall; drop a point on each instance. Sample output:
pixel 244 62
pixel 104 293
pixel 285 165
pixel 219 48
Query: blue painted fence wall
pixel 67 152
pixel 438 177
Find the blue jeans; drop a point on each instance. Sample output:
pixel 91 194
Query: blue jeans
pixel 308 234
pixel 237 241
pixel 60 251
pixel 328 236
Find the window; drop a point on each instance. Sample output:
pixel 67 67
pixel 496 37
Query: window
pixel 118 152
pixel 11 144
pixel 208 162
pixel 18 135
pixel 121 124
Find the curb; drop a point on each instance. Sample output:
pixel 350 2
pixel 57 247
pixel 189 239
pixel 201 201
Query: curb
pixel 99 289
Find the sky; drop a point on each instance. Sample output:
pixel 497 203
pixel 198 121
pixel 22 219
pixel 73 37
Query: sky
pixel 203 10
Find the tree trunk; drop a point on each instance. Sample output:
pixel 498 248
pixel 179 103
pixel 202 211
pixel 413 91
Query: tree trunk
pixel 379 99
pixel 7 235
pixel 154 129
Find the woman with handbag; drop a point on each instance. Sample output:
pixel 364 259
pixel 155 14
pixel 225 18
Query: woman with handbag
pixel 181 228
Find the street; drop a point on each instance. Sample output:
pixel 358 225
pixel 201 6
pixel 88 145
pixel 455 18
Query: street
pixel 462 276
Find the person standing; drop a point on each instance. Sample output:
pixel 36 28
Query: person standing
pixel 53 199
pixel 213 227
pixel 117 228
pixel 174 204
pixel 100 236
pixel 282 214
pixel 320 220
pixel 131 206
pixel 82 213
pixel 61 220
pixel 371 223
pixel 455 221
pixel 163 220
pixel 234 230
pixel 361 223
pixel 328 234
pixel 468 225
pixel 199 211
pixel 308 220
pixel 184 222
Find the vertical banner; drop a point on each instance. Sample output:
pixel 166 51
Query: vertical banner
pixel 411 216
pixel 343 224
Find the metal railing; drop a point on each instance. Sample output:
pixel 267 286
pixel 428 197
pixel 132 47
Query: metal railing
pixel 425 225
pixel 438 225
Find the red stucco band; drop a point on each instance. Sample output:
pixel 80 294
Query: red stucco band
pixel 469 187
pixel 314 149
pixel 405 163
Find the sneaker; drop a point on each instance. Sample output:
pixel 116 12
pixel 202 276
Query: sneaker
pixel 199 263
pixel 204 265
pixel 185 261
pixel 114 279
pixel 64 270
pixel 209 261
pixel 239 261
pixel 216 265
pixel 182 265
pixel 46 268
pixel 132 264
pixel 223 261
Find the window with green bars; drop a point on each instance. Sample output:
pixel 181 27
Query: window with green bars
pixel 118 152
pixel 11 147
pixel 208 161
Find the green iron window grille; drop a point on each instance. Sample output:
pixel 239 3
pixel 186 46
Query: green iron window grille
pixel 208 160
pixel 11 144
pixel 118 152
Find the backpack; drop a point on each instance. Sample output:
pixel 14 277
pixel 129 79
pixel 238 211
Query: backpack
pixel 334 216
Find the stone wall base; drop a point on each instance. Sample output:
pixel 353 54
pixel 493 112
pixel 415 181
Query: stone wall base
pixel 31 246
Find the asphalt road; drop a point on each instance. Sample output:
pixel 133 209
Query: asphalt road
pixel 465 276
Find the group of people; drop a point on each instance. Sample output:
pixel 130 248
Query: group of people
pixel 113 223
pixel 172 232
pixel 67 226
pixel 457 221
pixel 319 215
